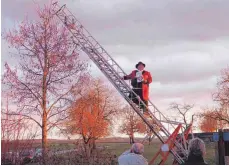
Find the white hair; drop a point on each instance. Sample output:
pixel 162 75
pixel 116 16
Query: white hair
pixel 137 148
pixel 196 147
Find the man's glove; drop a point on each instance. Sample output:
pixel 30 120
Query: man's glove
pixel 145 82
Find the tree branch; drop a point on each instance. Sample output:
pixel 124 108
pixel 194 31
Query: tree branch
pixel 18 114
pixel 58 100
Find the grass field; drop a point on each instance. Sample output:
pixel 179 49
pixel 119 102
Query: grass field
pixel 150 150
pixel 117 147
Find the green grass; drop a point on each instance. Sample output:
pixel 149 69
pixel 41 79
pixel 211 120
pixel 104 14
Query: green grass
pixel 58 146
pixel 210 155
pixel 151 150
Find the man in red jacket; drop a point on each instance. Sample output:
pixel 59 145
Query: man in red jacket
pixel 140 80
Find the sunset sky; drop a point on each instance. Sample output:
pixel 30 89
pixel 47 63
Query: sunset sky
pixel 184 44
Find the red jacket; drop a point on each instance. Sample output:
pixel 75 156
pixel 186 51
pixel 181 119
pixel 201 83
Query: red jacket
pixel 147 79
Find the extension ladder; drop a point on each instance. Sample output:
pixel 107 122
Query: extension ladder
pixel 84 40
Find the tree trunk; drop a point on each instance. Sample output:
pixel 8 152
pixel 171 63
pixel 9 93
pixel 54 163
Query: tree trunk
pixel 44 102
pixel 44 138
pixel 94 145
pixel 44 117
pixel 131 138
pixel 87 150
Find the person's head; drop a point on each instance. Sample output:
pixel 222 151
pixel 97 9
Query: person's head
pixel 197 147
pixel 140 66
pixel 137 148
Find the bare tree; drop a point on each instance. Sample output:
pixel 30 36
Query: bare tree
pixel 49 70
pixel 222 97
pixel 183 111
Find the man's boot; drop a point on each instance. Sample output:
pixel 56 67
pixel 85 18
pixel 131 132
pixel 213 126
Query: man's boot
pixel 146 110
pixel 146 113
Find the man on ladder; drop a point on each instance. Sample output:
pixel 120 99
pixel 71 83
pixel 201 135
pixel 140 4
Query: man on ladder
pixel 140 80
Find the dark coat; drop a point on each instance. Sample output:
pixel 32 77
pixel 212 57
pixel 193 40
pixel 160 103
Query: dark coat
pixel 195 160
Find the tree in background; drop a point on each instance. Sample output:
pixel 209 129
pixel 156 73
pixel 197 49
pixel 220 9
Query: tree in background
pixel 49 69
pixel 213 116
pixel 92 114
pixel 207 124
pixel 220 114
pixel 222 97
pixel 149 134
pixel 132 123
pixel 183 111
